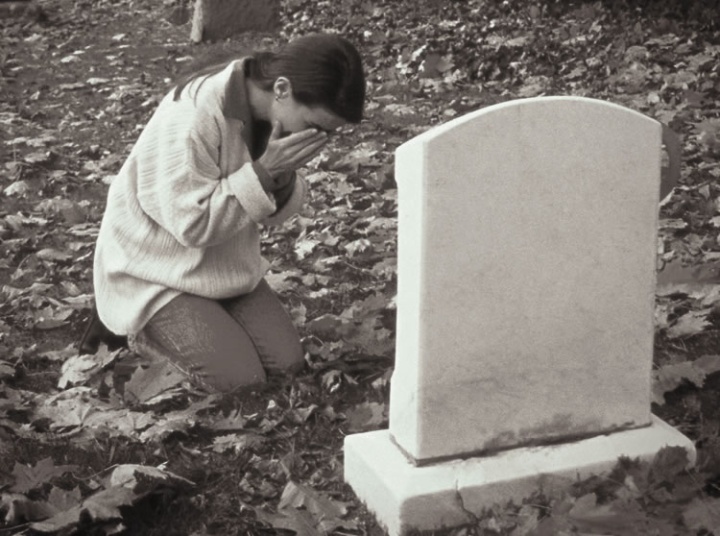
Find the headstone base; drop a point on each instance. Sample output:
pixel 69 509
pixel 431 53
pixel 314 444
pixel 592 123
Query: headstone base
pixel 404 496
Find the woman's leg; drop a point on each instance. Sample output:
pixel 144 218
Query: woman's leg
pixel 270 328
pixel 202 339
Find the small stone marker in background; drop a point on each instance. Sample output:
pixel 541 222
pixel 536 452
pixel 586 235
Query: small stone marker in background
pixel 526 286
pixel 27 9
pixel 217 19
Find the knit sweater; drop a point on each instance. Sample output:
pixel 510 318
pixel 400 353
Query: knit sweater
pixel 182 215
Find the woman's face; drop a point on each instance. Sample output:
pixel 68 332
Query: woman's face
pixel 296 117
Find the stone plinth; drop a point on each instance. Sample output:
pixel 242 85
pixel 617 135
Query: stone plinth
pixel 404 496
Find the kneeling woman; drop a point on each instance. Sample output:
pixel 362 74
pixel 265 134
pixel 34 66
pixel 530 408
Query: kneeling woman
pixel 178 268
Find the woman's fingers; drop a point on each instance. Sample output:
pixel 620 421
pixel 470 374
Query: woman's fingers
pixel 303 137
pixel 276 131
pixel 293 151
pixel 309 152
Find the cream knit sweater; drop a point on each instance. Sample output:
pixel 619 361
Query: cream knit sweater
pixel 182 215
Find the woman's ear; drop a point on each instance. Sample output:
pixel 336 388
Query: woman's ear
pixel 282 88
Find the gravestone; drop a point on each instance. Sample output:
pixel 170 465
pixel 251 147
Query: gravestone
pixel 217 19
pixel 526 282
pixel 27 9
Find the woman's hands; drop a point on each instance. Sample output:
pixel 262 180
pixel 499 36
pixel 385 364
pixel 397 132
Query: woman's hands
pixel 284 155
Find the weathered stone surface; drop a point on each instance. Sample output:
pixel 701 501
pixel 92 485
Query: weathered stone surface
pixel 526 277
pixel 218 19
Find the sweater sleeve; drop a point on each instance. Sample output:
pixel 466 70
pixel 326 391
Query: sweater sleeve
pixel 182 189
pixel 292 206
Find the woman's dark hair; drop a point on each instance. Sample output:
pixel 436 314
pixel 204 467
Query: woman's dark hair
pixel 324 70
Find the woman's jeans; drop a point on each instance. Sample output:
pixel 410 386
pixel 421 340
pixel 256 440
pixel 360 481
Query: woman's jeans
pixel 223 344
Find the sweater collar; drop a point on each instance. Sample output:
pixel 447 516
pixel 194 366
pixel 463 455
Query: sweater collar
pixel 236 104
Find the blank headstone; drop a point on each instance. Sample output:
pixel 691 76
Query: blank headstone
pixel 526 273
pixel 218 19
pixel 526 281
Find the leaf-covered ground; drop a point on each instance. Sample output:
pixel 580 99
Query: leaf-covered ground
pixel 106 443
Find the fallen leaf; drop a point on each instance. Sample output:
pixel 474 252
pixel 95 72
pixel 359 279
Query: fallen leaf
pixel 238 442
pixel 305 247
pixel 691 323
pixel 327 326
pixel 17 188
pixel 96 81
pixel 359 246
pixel 589 517
pixel 366 416
pixel 102 419
pixel 28 478
pixel 60 355
pixel 79 369
pixel 19 509
pixel 147 383
pixel 61 500
pixel 233 422
pixel 299 521
pixel 307 512
pixel 48 318
pixel 40 157
pixel 7 370
pixel 667 464
pixel 143 478
pixel 702 513
pixel 281 282
pixel 669 377
pixel 101 506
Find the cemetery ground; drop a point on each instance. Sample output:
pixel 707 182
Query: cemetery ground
pixel 98 444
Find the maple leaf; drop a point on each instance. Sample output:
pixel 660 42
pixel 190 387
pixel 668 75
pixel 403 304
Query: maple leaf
pixel 28 478
pixel 7 370
pixel 148 383
pixel 327 326
pixel 79 369
pixel 667 464
pixel 60 355
pixel 19 509
pixel 118 422
pixel 307 512
pixel 359 247
pixel 143 479
pixel 238 442
pixel 281 282
pixel 305 247
pixel 332 380
pixel 67 409
pixel 233 422
pixel 702 513
pixel 435 65
pixel 52 254
pixel 48 318
pixel 669 377
pixel 366 416
pixel 61 500
pixel 586 515
pixel 18 188
pixel 175 421
pixel 299 521
pixel 362 156
pixel 691 323
pixel 101 506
